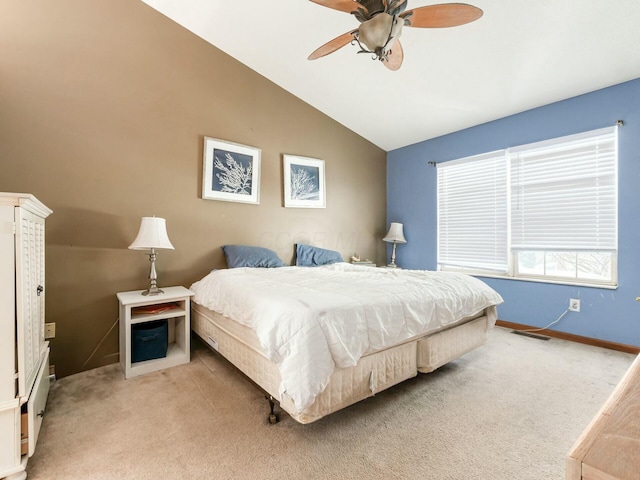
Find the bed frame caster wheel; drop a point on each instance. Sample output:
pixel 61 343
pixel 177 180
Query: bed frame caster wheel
pixel 273 418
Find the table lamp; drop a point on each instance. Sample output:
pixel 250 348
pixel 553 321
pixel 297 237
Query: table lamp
pixel 395 236
pixel 152 235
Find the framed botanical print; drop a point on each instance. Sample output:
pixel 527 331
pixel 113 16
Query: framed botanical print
pixel 304 185
pixel 231 172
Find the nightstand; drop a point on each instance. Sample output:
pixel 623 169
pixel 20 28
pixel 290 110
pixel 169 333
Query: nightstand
pixel 364 263
pixel 174 306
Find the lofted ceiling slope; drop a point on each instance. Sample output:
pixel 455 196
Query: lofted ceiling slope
pixel 519 55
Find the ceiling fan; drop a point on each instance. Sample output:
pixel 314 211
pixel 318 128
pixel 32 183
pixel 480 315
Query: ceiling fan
pixel 381 23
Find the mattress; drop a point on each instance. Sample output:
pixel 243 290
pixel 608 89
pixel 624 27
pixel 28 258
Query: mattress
pixel 374 372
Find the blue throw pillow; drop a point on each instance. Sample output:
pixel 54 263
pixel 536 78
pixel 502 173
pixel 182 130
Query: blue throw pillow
pixel 244 256
pixel 308 256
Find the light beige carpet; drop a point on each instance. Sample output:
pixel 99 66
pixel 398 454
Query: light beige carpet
pixel 509 410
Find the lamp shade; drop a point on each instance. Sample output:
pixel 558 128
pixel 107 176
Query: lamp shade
pixel 395 235
pixel 152 234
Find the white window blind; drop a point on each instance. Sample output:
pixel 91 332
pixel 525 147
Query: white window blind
pixel 547 210
pixel 564 193
pixel 472 213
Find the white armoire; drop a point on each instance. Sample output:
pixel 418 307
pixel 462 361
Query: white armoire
pixel 24 354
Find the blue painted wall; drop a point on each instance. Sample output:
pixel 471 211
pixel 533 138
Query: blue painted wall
pixel 611 315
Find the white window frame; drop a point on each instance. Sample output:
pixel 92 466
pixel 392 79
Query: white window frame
pixel 601 239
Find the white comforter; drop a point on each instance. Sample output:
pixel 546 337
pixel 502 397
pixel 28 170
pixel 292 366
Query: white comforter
pixel 310 320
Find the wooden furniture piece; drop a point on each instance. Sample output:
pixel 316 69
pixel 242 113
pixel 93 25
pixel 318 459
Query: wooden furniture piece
pixel 24 354
pixel 134 309
pixel 609 448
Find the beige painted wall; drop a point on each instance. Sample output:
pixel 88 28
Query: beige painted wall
pixel 103 109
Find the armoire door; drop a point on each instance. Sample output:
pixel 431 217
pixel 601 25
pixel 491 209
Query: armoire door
pixel 29 297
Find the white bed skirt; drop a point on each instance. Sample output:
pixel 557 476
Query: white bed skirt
pixel 373 373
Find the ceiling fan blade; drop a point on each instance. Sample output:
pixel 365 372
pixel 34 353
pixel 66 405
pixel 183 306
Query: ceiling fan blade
pixel 443 15
pixel 342 5
pixel 395 57
pixel 333 45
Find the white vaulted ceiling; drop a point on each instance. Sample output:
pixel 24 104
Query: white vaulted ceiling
pixel 521 54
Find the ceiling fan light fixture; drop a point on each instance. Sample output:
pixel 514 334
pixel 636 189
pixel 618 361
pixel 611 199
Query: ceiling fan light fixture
pixel 380 33
pixel 381 23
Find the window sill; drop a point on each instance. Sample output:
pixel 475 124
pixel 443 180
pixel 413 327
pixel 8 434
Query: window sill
pixel 546 280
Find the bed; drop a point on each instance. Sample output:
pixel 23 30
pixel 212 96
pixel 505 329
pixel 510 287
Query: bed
pixel 319 339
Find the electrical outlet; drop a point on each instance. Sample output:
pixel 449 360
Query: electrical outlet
pixel 49 330
pixel 574 305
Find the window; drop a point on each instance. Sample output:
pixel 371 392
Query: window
pixel 543 211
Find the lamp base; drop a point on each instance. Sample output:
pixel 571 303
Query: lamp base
pixel 153 286
pixel 153 291
pixel 393 257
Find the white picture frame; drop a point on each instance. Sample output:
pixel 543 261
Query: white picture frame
pixel 230 172
pixel 303 182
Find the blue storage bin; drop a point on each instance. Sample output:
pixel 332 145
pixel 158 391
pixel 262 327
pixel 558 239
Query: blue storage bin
pixel 149 340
